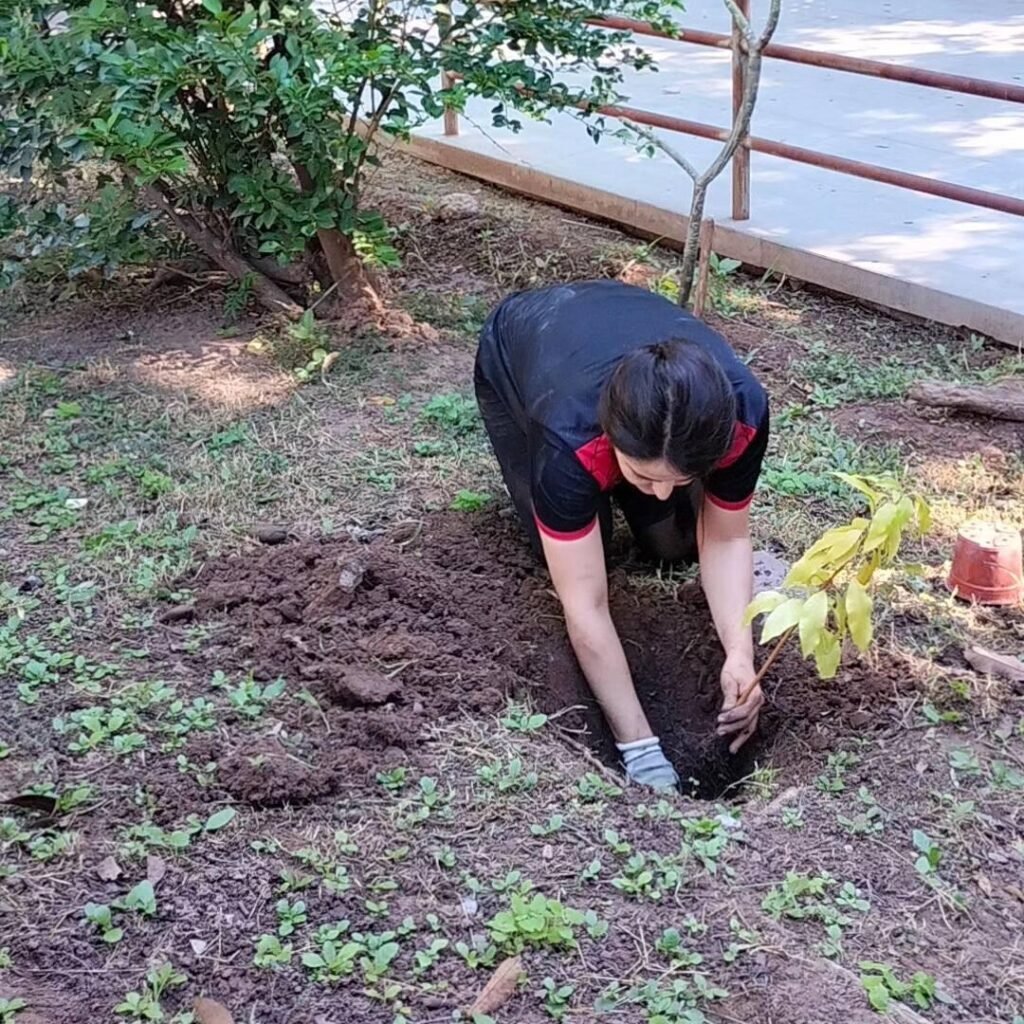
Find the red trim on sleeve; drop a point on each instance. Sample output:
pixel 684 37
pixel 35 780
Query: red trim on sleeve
pixel 742 435
pixel 560 535
pixel 598 458
pixel 730 506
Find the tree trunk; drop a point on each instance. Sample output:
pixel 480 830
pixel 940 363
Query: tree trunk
pixel 350 279
pixel 1000 401
pixel 295 274
pixel 218 250
pixel 692 248
pixel 707 237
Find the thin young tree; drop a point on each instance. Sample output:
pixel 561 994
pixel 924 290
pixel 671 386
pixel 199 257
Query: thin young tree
pixel 751 50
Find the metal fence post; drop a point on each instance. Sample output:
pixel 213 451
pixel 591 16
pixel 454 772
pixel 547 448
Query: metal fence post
pixel 741 158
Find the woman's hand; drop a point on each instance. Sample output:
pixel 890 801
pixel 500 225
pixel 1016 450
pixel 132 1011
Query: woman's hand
pixel 737 675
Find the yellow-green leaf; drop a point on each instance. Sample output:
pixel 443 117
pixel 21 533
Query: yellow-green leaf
pixel 860 483
pixel 839 608
pixel 904 513
pixel 826 655
pixel 924 515
pixel 812 621
pixel 881 524
pixel 766 602
pixel 807 571
pixel 858 615
pixel 786 616
pixel 827 555
pixel 867 570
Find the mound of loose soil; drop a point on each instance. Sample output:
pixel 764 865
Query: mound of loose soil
pixel 267 775
pixel 404 635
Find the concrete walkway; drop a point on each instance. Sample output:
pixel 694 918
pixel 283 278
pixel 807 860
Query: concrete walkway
pixel 933 257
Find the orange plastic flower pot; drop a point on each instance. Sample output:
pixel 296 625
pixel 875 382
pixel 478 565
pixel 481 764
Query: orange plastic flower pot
pixel 987 564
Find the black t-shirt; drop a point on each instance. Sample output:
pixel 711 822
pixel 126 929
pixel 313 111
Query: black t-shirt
pixel 548 353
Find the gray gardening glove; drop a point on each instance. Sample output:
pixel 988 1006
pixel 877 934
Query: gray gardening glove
pixel 647 765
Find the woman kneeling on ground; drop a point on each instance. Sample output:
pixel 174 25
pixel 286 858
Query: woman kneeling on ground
pixel 600 390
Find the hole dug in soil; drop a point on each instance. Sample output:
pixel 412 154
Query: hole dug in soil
pixel 393 637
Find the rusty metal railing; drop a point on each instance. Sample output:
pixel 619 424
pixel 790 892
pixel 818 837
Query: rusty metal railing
pixel 963 84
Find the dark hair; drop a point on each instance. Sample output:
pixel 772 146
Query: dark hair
pixel 670 401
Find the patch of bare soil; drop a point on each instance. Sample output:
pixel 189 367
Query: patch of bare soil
pixel 168 340
pixel 931 433
pixel 265 774
pixel 466 618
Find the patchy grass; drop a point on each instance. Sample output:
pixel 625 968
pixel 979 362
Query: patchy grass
pixel 858 867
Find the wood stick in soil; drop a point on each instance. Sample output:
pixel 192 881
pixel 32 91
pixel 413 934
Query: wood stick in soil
pixel 768 662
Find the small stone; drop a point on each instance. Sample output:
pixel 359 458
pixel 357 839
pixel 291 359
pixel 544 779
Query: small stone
pixel 270 534
pixel 351 575
pixel 860 718
pixel 363 687
pixel 458 206
pixel 548 852
pixel 30 584
pixel 179 613
pixel 108 869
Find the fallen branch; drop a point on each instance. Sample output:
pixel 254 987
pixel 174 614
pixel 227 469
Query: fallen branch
pixel 1004 401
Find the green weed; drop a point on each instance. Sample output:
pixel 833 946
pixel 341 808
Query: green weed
pixel 869 820
pixel 144 1005
pixel 810 898
pixel 271 953
pixel 520 719
pixel 649 876
pixel 100 916
pixel 470 501
pixel 424 960
pixel 454 413
pixel 10 1008
pixel 537 922
pixel 592 789
pixel 289 916
pixel 834 779
pixel 249 698
pixel 883 986
pixel 508 777
pixel 554 824
pixel 673 948
pixel 556 997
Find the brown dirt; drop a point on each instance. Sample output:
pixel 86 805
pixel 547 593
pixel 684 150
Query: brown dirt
pixel 931 433
pixel 267 775
pixel 465 618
